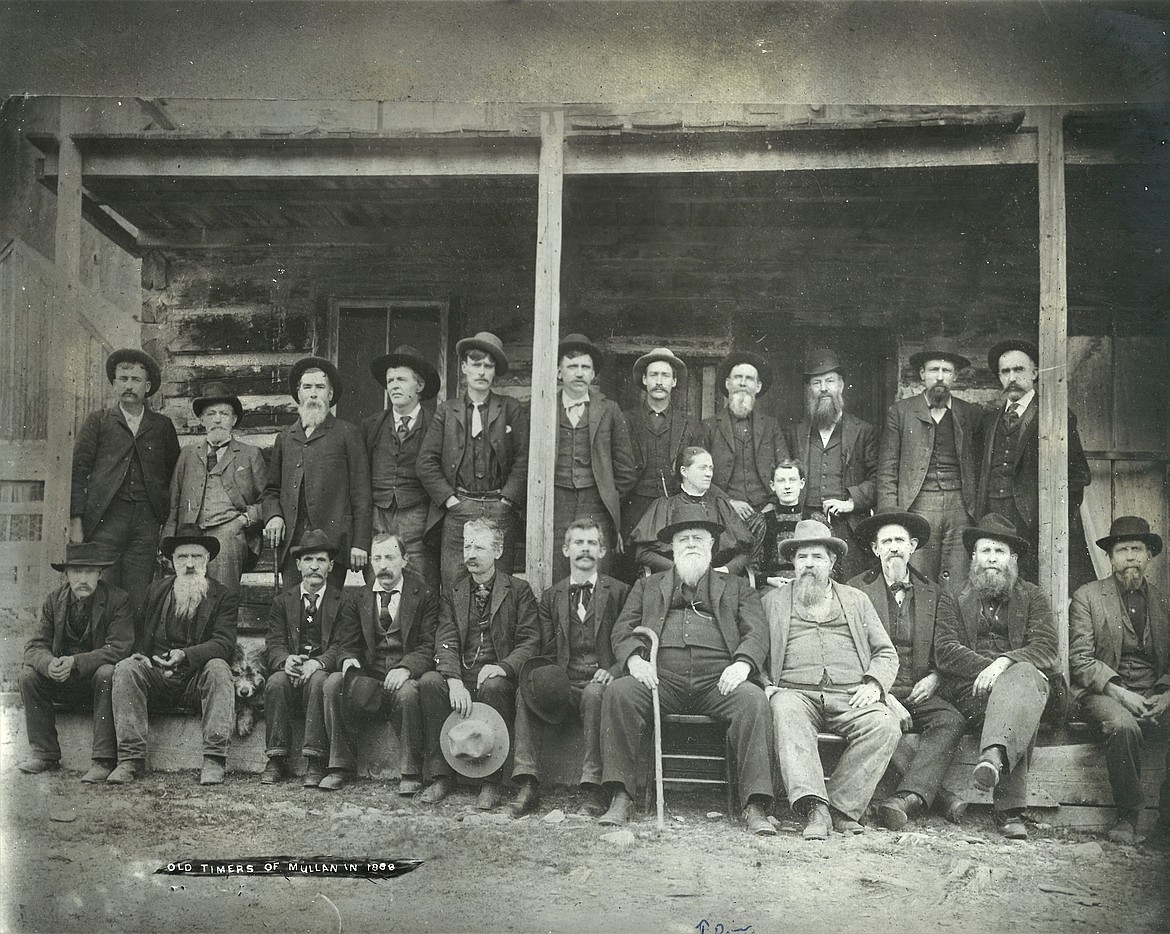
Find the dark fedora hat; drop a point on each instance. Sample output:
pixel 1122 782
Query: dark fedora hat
pixel 214 393
pixel 812 532
pixel 407 356
pixel 734 359
pixel 1131 529
pixel 868 528
pixel 142 358
pixel 821 360
pixel 667 532
pixel 939 348
pixel 489 344
pixel 312 541
pixel 314 363
pixel 996 527
pixel 660 355
pixel 189 535
pixel 1014 343
pixel 577 344
pixel 85 555
pixel 545 688
pixel 475 745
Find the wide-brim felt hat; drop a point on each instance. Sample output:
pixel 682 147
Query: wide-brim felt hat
pixel 312 541
pixel 734 359
pixel 314 363
pixel 489 344
pixel 994 526
pixel 477 745
pixel 660 355
pixel 1014 343
pixel 215 393
pixel 812 532
pixel 85 555
pixel 189 535
pixel 666 533
pixel 939 348
pixel 580 344
pixel 545 688
pixel 405 355
pixel 142 358
pixel 821 360
pixel 918 526
pixel 1130 529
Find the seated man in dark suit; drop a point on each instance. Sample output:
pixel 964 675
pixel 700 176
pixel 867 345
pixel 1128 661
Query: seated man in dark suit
pixel 576 619
pixel 713 640
pixel 488 629
pixel 301 651
pixel 85 629
pixel 386 644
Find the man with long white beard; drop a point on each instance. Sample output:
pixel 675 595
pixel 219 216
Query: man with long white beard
pixel 318 477
pixel 996 644
pixel 839 452
pixel 1119 658
pixel 831 664
pixel 745 445
pixel 188 638
pixel 712 644
pixel 906 601
pixel 929 460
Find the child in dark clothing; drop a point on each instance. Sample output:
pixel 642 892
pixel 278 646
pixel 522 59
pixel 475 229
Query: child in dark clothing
pixel 780 518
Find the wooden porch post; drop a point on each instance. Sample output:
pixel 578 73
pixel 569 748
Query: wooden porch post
pixel 64 385
pixel 545 335
pixel 1053 394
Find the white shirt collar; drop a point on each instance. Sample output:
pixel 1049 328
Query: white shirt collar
pixel 378 588
pixel 1023 402
pixel 412 415
pixel 133 421
pixel 567 403
pixel 592 581
pixel 320 593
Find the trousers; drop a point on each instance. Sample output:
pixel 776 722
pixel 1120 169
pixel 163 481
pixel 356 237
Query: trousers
pixel 497 693
pixel 940 728
pixel 137 680
pixel 343 716
pixel 129 530
pixel 871 735
pixel 281 699
pixel 530 731
pixel 39 693
pixel 943 558
pixel 1125 736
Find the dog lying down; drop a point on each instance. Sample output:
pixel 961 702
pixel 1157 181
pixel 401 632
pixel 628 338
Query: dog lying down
pixel 248 680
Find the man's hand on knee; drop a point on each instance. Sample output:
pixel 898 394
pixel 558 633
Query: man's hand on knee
pixel 866 693
pixel 733 676
pixel 395 678
pixel 489 671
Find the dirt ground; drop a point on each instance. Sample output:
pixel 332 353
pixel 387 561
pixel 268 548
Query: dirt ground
pixel 82 859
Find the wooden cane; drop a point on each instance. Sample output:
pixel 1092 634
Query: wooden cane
pixel 652 637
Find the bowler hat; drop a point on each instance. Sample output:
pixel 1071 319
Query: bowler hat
pixel 84 555
pixel 189 535
pixel 994 526
pixel 1014 343
pixel 142 358
pixel 660 355
pixel 312 541
pixel 1131 529
pixel 939 348
pixel 214 393
pixel 820 361
pixel 812 532
pixel 734 359
pixel 577 344
pixel 477 745
pixel 407 356
pixel 868 528
pixel 313 363
pixel 545 688
pixel 489 344
pixel 667 532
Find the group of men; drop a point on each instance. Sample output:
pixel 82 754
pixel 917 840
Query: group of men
pixel 949 630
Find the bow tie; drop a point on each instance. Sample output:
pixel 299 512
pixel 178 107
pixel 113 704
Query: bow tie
pixel 576 590
pixel 901 585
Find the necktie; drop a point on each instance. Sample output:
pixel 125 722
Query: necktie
pixel 579 597
pixel 482 594
pixel 575 410
pixel 1012 418
pixel 310 615
pixel 476 419
pixel 899 589
pixel 385 620
pixel 403 427
pixel 212 459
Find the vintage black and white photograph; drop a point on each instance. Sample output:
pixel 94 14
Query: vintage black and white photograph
pixel 572 466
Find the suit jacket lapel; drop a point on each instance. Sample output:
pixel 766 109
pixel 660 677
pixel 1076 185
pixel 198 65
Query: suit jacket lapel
pixel 1158 626
pixel 725 618
pixel 499 592
pixel 462 598
pixel 329 608
pixel 924 602
pixel 228 457
pixel 1017 625
pixel 202 617
pixel 594 414
pixel 725 428
pixel 293 609
pixel 60 619
pixel 665 593
pixel 406 612
pixel 366 615
pixel 597 607
pixel 563 611
pixel 850 429
pixel 969 607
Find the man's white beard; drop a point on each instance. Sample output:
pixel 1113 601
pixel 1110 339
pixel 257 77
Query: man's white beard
pixel 312 413
pixel 691 568
pixel 190 591
pixel 1130 578
pixel 990 585
pixel 825 410
pixel 811 588
pixel 741 402
pixel 894 568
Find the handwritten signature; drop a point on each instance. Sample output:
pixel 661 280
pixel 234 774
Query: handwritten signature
pixel 706 927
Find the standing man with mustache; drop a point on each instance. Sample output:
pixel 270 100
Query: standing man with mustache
pixel 929 460
pixel 84 630
pixel 122 465
pixel 394 439
pixel 318 477
pixel 839 452
pixel 1010 475
pixel 996 645
pixel 217 486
